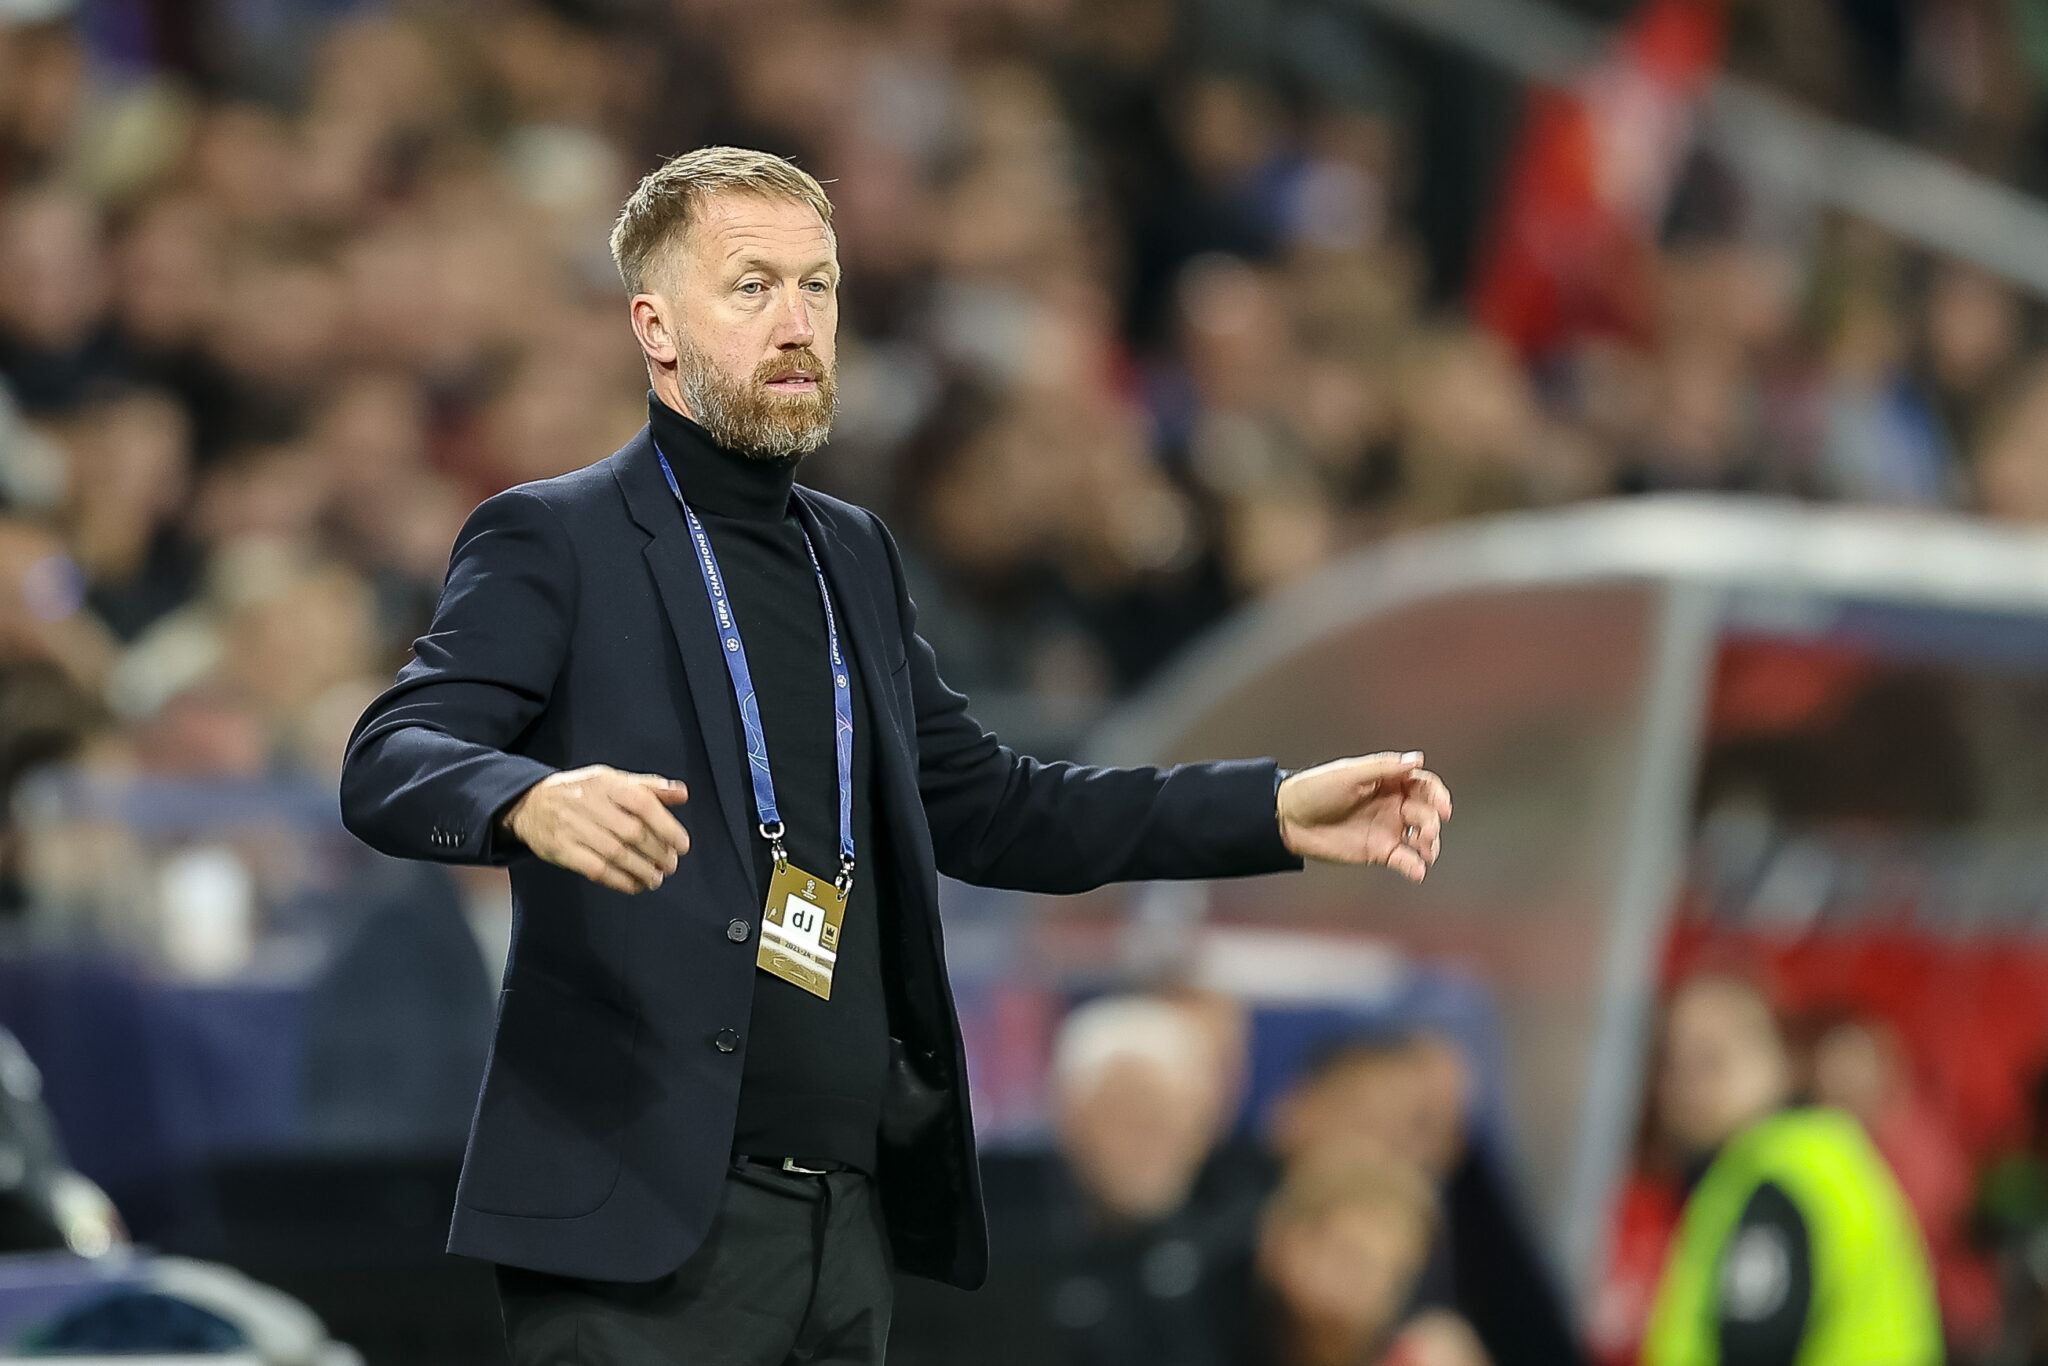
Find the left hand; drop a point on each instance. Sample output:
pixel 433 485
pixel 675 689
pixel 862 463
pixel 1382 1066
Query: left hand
pixel 1374 808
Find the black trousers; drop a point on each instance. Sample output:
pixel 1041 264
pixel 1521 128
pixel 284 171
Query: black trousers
pixel 795 1269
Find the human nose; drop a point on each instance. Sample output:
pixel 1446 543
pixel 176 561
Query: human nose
pixel 793 329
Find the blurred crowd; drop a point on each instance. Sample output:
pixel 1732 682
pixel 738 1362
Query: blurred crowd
pixel 1140 323
pixel 1368 1217
pixel 1965 78
pixel 1364 1219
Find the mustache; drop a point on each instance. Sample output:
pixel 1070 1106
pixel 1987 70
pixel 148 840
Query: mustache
pixel 805 360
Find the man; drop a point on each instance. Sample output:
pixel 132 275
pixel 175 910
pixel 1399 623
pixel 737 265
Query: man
pixel 1144 1270
pixel 1341 1247
pixel 1796 1245
pixel 1410 1098
pixel 709 1122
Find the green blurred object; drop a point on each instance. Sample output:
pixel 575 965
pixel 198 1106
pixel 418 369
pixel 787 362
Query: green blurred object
pixel 1872 1290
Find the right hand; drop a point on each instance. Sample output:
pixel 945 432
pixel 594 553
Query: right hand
pixel 611 826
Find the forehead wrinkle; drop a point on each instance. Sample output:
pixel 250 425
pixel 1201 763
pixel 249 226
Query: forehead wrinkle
pixel 773 247
pixel 736 220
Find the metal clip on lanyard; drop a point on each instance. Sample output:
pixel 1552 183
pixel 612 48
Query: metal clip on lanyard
pixel 735 652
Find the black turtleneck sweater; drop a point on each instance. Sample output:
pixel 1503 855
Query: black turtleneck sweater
pixel 815 1070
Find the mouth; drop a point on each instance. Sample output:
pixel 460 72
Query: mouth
pixel 793 382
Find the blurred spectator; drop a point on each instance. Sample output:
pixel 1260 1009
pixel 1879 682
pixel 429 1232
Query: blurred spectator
pixel 1360 1097
pixel 1239 1169
pixel 1796 1242
pixel 54 291
pixel 1340 1248
pixel 1975 337
pixel 1858 1066
pixel 1144 1266
pixel 1136 1105
pixel 2012 461
pixel 128 467
pixel 1883 443
pixel 1408 1100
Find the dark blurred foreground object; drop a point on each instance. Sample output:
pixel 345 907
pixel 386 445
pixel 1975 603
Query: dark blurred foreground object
pixel 134 1321
pixel 358 1236
pixel 307 1135
pixel 136 1304
pixel 2012 1217
pixel 97 1297
pixel 44 1204
pixel 1499 1282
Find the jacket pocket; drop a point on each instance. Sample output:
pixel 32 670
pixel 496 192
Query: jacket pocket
pixel 554 1105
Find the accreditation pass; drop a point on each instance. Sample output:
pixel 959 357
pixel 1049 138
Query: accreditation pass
pixel 800 929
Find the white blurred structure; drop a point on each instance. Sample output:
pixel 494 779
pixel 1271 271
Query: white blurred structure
pixel 1557 668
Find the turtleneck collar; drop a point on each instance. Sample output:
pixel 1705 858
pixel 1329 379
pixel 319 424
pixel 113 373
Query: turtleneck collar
pixel 717 481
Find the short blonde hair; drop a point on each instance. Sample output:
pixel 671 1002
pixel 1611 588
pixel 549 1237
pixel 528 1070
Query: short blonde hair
pixel 665 201
pixel 1111 1028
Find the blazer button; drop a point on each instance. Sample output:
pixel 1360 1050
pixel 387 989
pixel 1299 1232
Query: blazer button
pixel 726 1040
pixel 737 931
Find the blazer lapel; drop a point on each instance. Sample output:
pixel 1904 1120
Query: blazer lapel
pixel 673 562
pixel 895 752
pixel 855 603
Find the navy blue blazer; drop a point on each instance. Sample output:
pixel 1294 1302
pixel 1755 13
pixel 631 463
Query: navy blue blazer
pixel 574 629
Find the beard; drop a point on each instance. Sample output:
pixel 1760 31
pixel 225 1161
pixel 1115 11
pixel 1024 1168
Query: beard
pixel 750 419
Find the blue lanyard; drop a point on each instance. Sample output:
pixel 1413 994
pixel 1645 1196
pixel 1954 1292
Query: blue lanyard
pixel 750 710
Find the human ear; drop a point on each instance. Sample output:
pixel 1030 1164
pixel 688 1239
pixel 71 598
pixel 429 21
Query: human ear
pixel 650 313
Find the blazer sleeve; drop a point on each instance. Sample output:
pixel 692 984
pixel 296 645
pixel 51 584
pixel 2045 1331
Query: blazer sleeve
pixel 429 766
pixel 1002 819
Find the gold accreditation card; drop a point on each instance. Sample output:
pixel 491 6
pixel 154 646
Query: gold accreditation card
pixel 800 929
